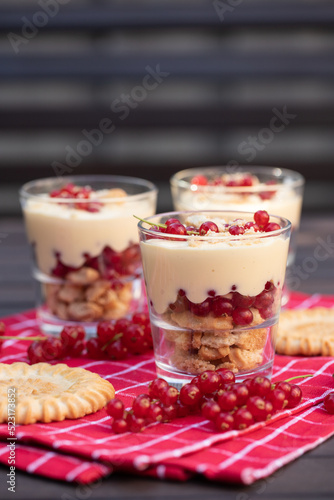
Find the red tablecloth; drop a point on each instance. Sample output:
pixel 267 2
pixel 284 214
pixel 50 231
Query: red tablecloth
pixel 84 450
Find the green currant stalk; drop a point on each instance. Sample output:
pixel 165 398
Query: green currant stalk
pixel 151 223
pixel 298 376
pixel 115 337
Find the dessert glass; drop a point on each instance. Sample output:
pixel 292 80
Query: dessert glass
pixel 86 257
pixel 277 190
pixel 196 286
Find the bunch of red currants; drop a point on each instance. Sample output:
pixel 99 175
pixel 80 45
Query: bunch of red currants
pixel 114 340
pixel 213 394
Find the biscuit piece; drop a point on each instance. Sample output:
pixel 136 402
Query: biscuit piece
pixel 243 359
pixel 46 393
pixel 309 332
pixel 251 339
pixel 189 320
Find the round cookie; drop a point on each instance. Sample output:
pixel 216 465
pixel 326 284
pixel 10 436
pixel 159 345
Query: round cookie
pixel 46 393
pixel 309 332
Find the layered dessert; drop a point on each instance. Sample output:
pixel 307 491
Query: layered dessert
pixel 240 190
pixel 86 250
pixel 214 282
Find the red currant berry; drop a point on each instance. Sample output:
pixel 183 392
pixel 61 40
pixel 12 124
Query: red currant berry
pixel 121 325
pixel 116 350
pixel 221 306
pixel 236 230
pixel 242 393
pixel 209 382
pixel 243 419
pixel 201 309
pixel 208 226
pixel 269 409
pixel 94 349
pixel 35 352
pixel 329 403
pixel 182 410
pixel 105 332
pixel 133 338
pixel 156 387
pixel 176 228
pixel 272 226
pixel 210 410
pixel 277 398
pixel 195 381
pixel 239 300
pixel 224 422
pixel 257 406
pixel 199 180
pixel 120 426
pixel 170 412
pixel 261 218
pixel 71 334
pixel 140 318
pixel 227 376
pixel 250 225
pixel 227 400
pixel 190 395
pixel 136 424
pixel 77 349
pixel 259 386
pixel 141 405
pixel 115 408
pixel 169 395
pixel 285 387
pixel 172 221
pixel 295 396
pixel 52 349
pixel 242 316
pixel 155 412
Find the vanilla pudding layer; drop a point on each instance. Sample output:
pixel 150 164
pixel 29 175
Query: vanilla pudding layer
pixel 285 203
pixel 200 266
pixel 54 227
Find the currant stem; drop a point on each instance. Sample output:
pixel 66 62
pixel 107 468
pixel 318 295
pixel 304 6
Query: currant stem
pixel 151 223
pixel 8 337
pixel 298 376
pixel 115 337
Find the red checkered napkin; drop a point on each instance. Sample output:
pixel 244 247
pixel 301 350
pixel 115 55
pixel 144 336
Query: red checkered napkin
pixel 184 446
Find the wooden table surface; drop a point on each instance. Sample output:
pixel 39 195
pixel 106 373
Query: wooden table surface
pixel 310 477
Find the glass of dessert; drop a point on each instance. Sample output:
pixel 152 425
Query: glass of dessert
pixel 248 188
pixel 214 282
pixel 85 246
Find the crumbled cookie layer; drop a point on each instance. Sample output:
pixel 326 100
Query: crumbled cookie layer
pixel 86 297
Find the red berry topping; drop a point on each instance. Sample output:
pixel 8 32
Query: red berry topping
pixel 208 226
pixel 239 300
pixel 176 228
pixel 199 180
pixel 172 221
pixel 329 403
pixel 250 225
pixel 272 226
pixel 261 218
pixel 236 230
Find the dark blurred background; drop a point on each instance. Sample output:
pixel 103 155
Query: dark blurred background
pixel 147 88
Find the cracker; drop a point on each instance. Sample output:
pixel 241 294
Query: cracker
pixel 46 393
pixel 309 332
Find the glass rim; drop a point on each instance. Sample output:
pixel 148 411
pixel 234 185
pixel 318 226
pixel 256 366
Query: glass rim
pixel 216 236
pixel 49 181
pixel 177 179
